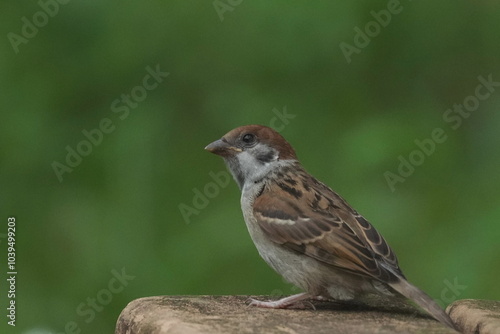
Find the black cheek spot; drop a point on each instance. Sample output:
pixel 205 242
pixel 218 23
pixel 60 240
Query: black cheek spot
pixel 266 157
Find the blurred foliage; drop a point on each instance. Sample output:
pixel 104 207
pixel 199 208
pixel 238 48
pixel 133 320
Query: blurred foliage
pixel 119 207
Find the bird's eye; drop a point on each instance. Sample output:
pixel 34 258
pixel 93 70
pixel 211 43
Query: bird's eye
pixel 248 138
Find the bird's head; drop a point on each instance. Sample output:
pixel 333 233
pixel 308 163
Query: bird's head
pixel 252 151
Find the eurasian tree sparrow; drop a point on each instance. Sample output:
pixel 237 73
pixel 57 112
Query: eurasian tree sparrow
pixel 307 232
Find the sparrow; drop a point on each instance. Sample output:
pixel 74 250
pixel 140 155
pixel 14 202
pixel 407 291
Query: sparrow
pixel 305 231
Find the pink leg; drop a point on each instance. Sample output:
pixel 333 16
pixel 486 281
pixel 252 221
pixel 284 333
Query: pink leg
pixel 281 303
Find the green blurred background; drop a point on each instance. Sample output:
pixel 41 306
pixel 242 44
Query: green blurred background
pixel 244 62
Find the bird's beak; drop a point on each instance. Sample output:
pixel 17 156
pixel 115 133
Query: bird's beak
pixel 222 147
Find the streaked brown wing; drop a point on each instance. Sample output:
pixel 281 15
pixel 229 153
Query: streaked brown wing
pixel 327 229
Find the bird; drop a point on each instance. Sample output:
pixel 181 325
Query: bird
pixel 305 231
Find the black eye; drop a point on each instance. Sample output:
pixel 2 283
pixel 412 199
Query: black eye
pixel 248 138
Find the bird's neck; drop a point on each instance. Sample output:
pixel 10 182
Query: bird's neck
pixel 253 185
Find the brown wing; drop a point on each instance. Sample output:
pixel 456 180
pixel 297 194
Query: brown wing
pixel 311 219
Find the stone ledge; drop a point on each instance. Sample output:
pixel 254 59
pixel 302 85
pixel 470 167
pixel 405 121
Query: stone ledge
pixel 229 314
pixel 476 316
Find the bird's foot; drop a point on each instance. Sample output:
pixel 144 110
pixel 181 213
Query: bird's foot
pixel 295 301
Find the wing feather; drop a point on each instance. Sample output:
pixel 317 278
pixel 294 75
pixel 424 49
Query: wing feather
pixel 320 224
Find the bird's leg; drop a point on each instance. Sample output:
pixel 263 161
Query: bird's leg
pixel 281 303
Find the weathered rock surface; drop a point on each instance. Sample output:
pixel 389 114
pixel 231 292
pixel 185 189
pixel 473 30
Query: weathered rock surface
pixel 230 314
pixel 476 316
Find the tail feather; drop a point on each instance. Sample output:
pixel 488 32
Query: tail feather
pixel 423 300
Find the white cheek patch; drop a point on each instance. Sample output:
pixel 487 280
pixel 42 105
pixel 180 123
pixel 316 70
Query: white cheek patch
pixel 246 160
pixel 252 169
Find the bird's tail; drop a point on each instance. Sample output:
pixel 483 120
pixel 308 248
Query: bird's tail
pixel 423 300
